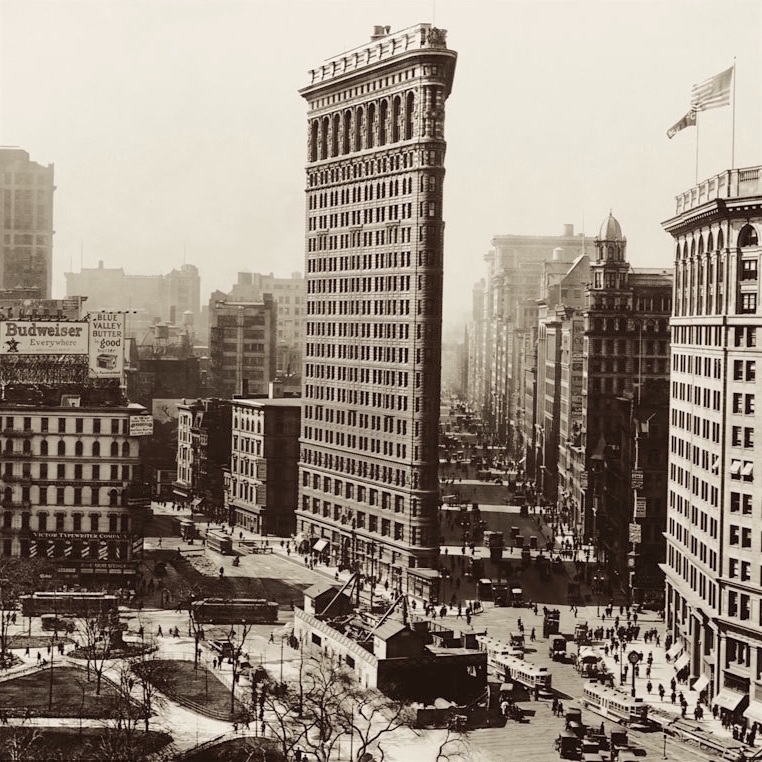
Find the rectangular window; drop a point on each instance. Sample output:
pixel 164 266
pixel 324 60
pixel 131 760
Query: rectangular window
pixel 44 425
pixel 62 425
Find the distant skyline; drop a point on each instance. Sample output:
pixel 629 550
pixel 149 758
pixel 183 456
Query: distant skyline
pixel 178 134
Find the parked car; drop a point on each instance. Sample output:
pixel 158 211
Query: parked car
pixel 223 647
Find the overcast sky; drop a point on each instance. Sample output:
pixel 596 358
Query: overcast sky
pixel 177 131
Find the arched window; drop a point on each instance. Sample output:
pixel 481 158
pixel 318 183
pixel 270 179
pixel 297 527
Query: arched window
pixel 370 140
pixel 114 449
pixel 359 128
pixel 126 450
pixel 113 497
pixel 78 447
pixel 61 447
pixel 396 106
pixel 8 494
pixel 701 245
pixel 44 447
pixel 409 115
pixel 720 239
pixel 347 132
pixel 693 247
pixel 96 449
pixel 685 249
pixel 335 135
pixel 747 237
pixel 382 122
pixel 314 140
pixel 27 447
pixel 324 138
pixel 677 251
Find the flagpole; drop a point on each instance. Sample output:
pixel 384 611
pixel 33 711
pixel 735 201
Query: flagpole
pixel 733 128
pixel 697 144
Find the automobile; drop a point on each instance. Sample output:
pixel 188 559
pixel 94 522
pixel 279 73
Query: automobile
pixel 223 647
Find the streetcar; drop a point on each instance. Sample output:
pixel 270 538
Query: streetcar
pixel 495 649
pixel 71 603
pixel 235 611
pixel 614 704
pixel 220 542
pixel 526 674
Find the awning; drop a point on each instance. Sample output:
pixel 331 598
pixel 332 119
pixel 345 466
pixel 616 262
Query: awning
pixel 754 712
pixel 196 502
pixel 682 662
pixel 320 546
pixel 735 467
pixel 701 682
pixel 729 700
pixel 748 469
pixel 675 649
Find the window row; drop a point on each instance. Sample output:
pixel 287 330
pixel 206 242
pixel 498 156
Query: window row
pixel 64 448
pixel 65 425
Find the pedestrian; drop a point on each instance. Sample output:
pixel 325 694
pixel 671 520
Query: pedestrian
pixel 272 639
pixel 159 541
pixel 532 635
pixel 661 692
pixel 649 687
pixel 159 633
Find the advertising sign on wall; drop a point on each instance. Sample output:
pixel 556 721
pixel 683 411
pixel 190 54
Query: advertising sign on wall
pixel 106 345
pixel 141 425
pixel 43 337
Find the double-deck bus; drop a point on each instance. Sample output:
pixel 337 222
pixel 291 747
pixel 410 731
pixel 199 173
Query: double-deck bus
pixel 614 704
pixel 68 603
pixel 235 611
pixel 220 542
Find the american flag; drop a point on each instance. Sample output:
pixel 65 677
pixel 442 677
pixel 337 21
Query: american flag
pixel 713 92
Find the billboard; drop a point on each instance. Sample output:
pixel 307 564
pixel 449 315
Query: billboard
pixel 141 425
pixel 43 337
pixel 106 344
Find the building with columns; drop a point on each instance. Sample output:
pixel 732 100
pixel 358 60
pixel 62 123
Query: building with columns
pixel 374 256
pixel 713 571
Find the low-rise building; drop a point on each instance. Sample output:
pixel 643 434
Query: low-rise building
pixel 71 481
pixel 203 451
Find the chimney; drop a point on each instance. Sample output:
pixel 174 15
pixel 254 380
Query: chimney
pixel 276 390
pixel 568 231
pixel 379 32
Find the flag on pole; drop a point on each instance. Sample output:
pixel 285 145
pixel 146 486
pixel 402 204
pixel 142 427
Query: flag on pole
pixel 689 120
pixel 713 92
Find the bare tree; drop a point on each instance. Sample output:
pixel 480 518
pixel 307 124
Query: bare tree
pixel 20 744
pixel 153 679
pixel 99 634
pixel 326 704
pixel 237 658
pixel 370 715
pixel 453 747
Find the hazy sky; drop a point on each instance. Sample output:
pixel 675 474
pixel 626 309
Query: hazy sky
pixel 177 131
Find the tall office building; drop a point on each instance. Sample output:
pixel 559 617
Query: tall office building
pixel 26 220
pixel 374 250
pixel 713 588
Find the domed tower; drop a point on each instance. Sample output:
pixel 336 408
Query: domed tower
pixel 610 267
